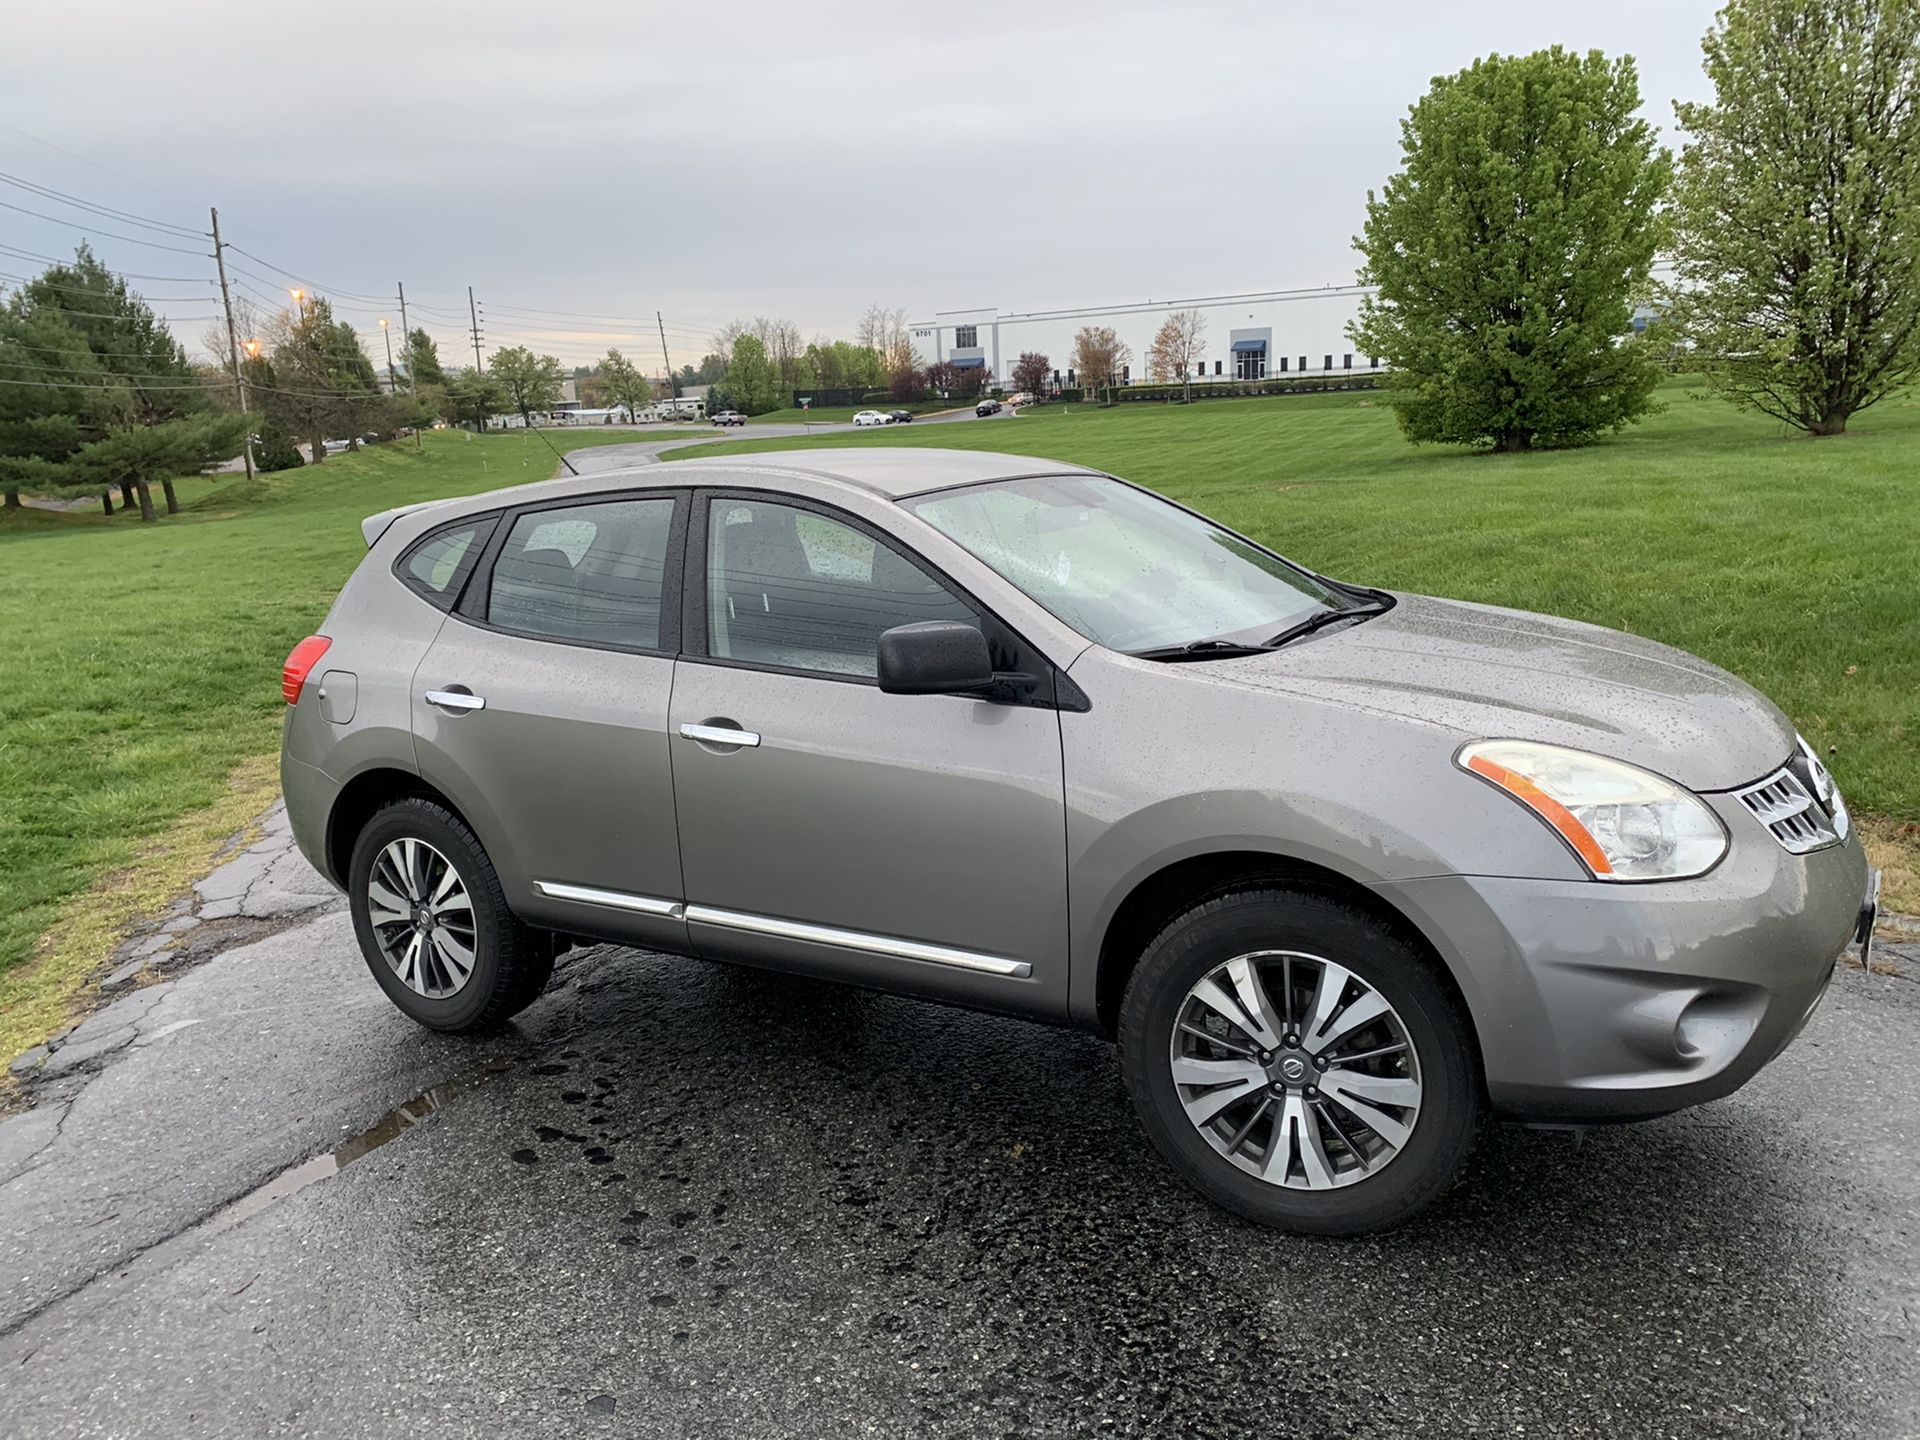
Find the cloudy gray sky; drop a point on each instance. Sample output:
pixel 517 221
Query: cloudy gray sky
pixel 722 160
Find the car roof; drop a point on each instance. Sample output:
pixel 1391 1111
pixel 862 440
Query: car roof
pixel 885 470
pixel 891 472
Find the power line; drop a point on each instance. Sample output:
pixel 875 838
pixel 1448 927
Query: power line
pixel 17 252
pixel 164 227
pixel 88 290
pixel 114 377
pixel 89 160
pixel 329 290
pixel 105 315
pixel 103 234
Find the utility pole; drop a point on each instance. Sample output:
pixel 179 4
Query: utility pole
pixel 406 348
pixel 386 334
pixel 406 341
pixel 672 383
pixel 473 314
pixel 233 336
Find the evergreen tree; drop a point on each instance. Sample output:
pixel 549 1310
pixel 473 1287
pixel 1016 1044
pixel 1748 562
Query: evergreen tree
pixel 423 359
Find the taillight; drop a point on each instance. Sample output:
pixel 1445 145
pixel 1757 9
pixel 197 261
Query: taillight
pixel 300 665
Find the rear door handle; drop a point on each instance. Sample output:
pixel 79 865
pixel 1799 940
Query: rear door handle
pixel 721 735
pixel 455 700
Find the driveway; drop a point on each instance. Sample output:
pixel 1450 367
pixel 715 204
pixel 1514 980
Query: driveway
pixel 682 1199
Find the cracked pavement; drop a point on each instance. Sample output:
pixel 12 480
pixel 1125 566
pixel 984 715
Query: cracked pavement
pixel 680 1199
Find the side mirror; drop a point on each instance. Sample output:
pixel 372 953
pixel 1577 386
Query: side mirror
pixel 934 657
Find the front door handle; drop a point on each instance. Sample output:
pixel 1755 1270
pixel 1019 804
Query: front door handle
pixel 731 735
pixel 455 700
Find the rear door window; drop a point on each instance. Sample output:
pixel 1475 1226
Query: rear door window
pixel 592 574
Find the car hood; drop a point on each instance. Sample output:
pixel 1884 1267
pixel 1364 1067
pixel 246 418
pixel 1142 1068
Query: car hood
pixel 1484 672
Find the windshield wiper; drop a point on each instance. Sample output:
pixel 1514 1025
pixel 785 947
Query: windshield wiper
pixel 1324 618
pixel 1199 650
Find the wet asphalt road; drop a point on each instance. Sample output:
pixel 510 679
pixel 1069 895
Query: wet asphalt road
pixel 681 1199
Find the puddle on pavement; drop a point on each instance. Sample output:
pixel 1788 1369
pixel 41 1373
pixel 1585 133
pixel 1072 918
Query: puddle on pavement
pixel 390 1126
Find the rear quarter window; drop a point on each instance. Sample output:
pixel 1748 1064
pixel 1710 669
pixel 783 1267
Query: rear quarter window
pixel 437 566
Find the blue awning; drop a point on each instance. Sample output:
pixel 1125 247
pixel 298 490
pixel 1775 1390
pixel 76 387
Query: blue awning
pixel 971 363
pixel 1243 346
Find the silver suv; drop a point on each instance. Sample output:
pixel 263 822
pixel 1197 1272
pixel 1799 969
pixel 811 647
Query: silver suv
pixel 1344 871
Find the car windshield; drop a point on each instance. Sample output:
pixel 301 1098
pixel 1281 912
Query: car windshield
pixel 1123 567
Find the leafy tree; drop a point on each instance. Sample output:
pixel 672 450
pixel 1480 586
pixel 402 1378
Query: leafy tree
pixel 317 380
pixel 1099 355
pixel 624 384
pixel 532 382
pixel 1799 208
pixel 711 371
pixel 907 384
pixel 751 379
pixel 943 378
pixel 423 360
pixel 1509 252
pixel 1032 372
pixel 1176 346
pixel 473 399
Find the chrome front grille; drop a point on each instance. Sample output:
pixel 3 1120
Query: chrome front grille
pixel 1784 804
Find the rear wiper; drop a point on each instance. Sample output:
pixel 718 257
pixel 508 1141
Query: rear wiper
pixel 1325 617
pixel 1199 650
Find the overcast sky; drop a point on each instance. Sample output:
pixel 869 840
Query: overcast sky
pixel 722 160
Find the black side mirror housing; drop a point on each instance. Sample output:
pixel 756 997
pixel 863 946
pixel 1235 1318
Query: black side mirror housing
pixel 934 657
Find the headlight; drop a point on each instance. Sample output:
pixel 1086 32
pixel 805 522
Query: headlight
pixel 1623 822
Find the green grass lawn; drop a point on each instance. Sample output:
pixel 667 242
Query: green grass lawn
pixel 1793 562
pixel 140 664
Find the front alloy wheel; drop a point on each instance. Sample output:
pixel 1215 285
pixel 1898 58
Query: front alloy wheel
pixel 1301 1061
pixel 1296 1070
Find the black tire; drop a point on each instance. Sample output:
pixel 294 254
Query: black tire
pixel 512 963
pixel 1232 925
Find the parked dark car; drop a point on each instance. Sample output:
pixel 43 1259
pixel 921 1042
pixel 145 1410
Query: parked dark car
pixel 900 417
pixel 987 407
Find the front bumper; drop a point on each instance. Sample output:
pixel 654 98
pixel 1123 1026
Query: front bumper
pixel 1598 1002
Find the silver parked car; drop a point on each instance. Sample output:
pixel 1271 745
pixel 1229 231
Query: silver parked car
pixel 1345 872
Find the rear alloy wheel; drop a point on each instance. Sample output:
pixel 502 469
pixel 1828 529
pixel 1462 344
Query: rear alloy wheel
pixel 1300 1063
pixel 422 918
pixel 433 921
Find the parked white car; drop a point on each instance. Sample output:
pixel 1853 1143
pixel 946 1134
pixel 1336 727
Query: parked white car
pixel 873 417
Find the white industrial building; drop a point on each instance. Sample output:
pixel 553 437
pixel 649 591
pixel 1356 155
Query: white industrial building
pixel 1269 333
